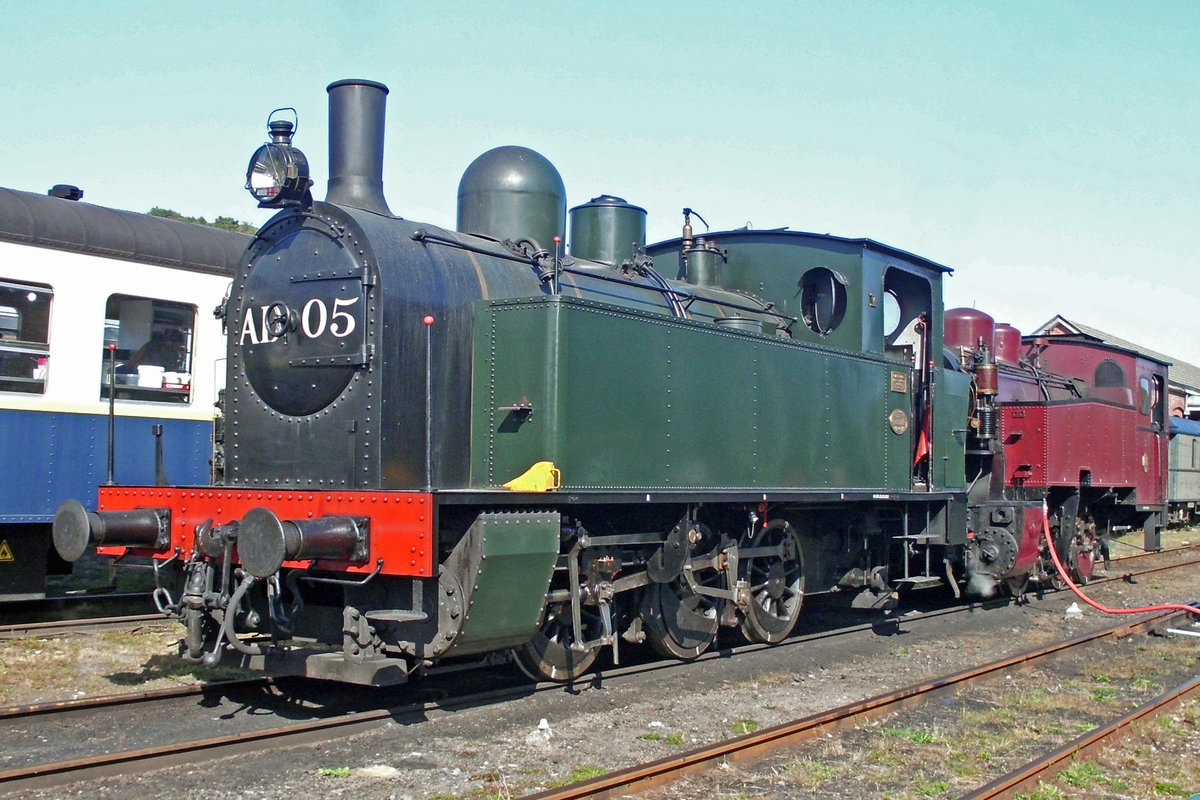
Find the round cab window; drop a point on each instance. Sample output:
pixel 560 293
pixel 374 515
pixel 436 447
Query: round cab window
pixel 822 299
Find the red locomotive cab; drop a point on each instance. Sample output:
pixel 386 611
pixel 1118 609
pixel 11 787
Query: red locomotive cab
pixel 1094 440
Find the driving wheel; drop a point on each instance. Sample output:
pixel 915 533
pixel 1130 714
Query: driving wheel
pixel 549 655
pixel 776 579
pixel 678 622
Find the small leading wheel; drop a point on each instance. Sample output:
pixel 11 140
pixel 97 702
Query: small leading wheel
pixel 548 656
pixel 679 623
pixel 1078 554
pixel 1016 586
pixel 776 583
pixel 1081 557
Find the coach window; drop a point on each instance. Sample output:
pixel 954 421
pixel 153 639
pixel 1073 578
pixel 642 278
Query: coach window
pixel 148 345
pixel 24 336
pixel 1147 395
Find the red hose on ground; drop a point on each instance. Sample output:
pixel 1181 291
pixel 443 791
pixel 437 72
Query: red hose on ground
pixel 1062 571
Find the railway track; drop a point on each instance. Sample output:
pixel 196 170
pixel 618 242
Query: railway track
pixel 45 710
pixel 39 617
pixel 121 761
pixel 1028 777
pixel 663 772
pixel 189 751
pixel 50 630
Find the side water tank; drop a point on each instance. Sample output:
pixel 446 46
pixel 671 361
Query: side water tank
pixel 513 193
pixel 966 326
pixel 1008 344
pixel 607 229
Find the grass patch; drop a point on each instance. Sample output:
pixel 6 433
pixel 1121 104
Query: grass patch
pixel 933 789
pixel 486 777
pixel 584 772
pixel 809 774
pixel 37 670
pixel 1045 791
pixel 742 726
pixel 1036 700
pixel 914 735
pixel 1082 774
pixel 999 717
pixel 1172 726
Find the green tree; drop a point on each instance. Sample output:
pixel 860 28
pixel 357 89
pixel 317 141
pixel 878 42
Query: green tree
pixel 224 223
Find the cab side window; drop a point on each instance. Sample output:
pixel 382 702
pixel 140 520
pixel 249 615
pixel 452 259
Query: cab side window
pixel 1108 374
pixel 822 299
pixel 1153 399
pixel 907 303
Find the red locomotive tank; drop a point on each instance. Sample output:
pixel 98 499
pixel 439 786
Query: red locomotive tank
pixel 965 327
pixel 1007 342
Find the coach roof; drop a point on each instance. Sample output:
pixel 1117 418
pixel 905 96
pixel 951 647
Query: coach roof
pixel 42 221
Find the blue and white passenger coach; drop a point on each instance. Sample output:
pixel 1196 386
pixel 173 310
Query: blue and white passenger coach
pixel 98 303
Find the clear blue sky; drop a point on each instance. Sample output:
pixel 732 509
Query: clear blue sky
pixel 1044 150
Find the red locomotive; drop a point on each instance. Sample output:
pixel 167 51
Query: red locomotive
pixel 1072 422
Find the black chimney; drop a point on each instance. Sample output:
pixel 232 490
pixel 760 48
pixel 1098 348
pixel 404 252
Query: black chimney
pixel 356 110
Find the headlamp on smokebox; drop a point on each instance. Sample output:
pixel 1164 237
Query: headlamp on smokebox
pixel 278 173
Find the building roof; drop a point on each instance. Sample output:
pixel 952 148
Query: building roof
pixel 1182 374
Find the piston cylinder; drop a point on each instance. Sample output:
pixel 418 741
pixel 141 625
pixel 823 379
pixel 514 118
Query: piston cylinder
pixel 987 381
pixel 989 422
